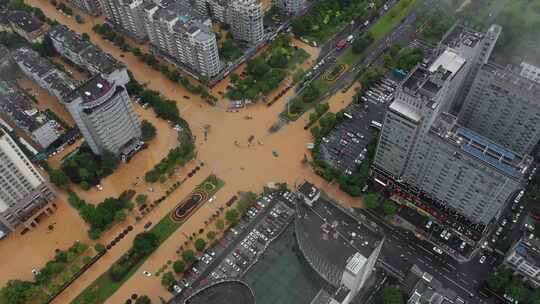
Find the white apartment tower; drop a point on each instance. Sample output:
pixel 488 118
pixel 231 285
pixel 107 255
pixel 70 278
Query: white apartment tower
pixel 246 20
pixel 127 15
pixel 24 193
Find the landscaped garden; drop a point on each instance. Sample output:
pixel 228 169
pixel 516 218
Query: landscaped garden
pixel 144 244
pixel 265 72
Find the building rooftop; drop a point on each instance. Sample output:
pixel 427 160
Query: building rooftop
pixel 508 79
pixel 529 249
pixel 308 190
pixel 90 54
pixel 91 90
pixel 460 36
pixel 17 107
pixel 335 237
pixel 423 288
pixel 25 21
pixel 222 292
pixel 480 147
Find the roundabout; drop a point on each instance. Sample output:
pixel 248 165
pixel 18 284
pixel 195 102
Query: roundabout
pixel 182 211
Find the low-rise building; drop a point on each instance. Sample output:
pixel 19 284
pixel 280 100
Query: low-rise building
pixel 524 259
pixel 22 112
pixel 43 72
pixel 530 71
pixel 82 52
pixel 423 288
pixel 27 26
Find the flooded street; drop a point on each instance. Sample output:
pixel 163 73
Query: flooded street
pixel 241 166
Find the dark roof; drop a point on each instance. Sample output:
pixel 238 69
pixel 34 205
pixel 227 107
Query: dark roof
pixel 308 190
pixel 224 292
pixel 92 89
pixel 26 21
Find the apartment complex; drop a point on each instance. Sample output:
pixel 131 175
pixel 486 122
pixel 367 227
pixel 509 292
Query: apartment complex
pixel 82 52
pixel 246 21
pixel 524 259
pixel 43 72
pixel 126 15
pixel 91 7
pixel 24 24
pixel 104 114
pixel 181 34
pixel 24 193
pixel 504 107
pixel 290 7
pixel 424 148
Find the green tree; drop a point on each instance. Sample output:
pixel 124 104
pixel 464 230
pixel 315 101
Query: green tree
pixel 143 300
pixel 59 178
pixel 85 36
pixel 119 216
pixel 231 215
pixel 220 224
pixel 499 279
pixel 372 200
pixel 311 93
pixel 392 295
pixel 389 207
pixel 515 289
pixel 99 247
pixel 167 279
pixel 140 199
pixel 145 242
pixel 211 235
pixel 361 43
pixel 200 245
pixel 85 185
pixel 188 256
pixel 148 131
pixel 179 266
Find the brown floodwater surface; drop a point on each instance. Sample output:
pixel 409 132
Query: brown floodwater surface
pixel 243 167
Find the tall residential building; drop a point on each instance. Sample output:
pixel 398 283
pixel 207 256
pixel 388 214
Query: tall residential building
pixel 91 7
pixel 524 259
pixel 104 114
pixel 504 107
pixel 181 34
pixel 473 46
pixel 82 52
pixel 246 20
pixel 290 7
pixel 127 15
pixel 24 193
pixel 245 17
pixel 423 147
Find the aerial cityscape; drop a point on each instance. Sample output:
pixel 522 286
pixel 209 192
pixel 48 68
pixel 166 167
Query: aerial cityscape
pixel 269 151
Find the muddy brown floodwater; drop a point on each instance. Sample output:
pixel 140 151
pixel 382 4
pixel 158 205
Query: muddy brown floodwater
pixel 242 167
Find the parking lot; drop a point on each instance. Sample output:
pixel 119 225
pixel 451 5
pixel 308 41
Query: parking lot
pixel 242 244
pixel 345 147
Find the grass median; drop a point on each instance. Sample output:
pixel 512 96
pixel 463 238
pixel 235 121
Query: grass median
pixel 104 286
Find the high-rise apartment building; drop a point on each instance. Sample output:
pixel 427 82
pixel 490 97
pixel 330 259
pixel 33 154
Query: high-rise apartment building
pixel 246 20
pixel 24 193
pixel 423 147
pixel 475 48
pixel 104 114
pixel 505 107
pixel 181 34
pixel 91 7
pixel 126 15
pixel 290 7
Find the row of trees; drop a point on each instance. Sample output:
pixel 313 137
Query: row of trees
pixel 19 292
pixel 402 58
pixel 178 156
pixel 102 216
pixel 143 245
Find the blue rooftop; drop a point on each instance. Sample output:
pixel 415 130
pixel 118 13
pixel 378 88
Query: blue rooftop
pixel 463 132
pixel 184 18
pixel 506 168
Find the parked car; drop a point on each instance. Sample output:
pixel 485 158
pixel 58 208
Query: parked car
pixel 437 250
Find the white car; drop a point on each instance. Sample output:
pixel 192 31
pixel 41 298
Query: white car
pixel 147 273
pixel 482 259
pixel 177 289
pixel 437 250
pixel 429 223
